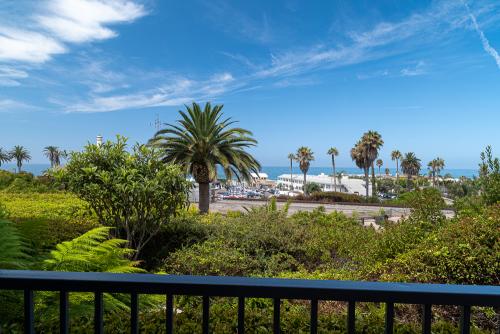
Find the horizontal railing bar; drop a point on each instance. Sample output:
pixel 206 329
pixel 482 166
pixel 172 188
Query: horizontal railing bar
pixel 411 293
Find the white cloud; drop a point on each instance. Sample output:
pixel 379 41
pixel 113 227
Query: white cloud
pixel 178 90
pixel 486 43
pixel 44 34
pixel 85 20
pixel 27 46
pixel 418 69
pixel 9 76
pixel 8 105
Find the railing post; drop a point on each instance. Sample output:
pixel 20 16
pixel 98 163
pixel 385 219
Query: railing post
pixel 170 314
pixel 241 315
pixel 276 316
pixel 426 318
pixel 63 312
pixel 351 317
pixel 206 314
pixel 29 317
pixel 314 316
pixel 389 318
pixel 134 313
pixel 98 313
pixel 465 320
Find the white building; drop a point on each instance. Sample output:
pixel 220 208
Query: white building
pixel 326 182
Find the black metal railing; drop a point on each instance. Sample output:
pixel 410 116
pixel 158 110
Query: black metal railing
pixel 351 292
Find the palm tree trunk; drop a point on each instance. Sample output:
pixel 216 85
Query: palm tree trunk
pixel 367 182
pixel 304 186
pixel 334 175
pixel 204 200
pixel 373 180
pixel 291 176
pixel 397 169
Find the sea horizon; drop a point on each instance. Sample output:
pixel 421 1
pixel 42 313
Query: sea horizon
pixel 274 171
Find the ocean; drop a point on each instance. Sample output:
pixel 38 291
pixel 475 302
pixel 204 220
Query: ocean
pixel 274 171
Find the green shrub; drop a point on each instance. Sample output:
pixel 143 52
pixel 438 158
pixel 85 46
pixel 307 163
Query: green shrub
pixel 465 250
pixel 45 219
pixel 332 197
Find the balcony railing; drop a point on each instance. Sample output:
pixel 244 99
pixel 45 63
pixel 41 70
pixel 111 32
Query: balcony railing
pixel 241 287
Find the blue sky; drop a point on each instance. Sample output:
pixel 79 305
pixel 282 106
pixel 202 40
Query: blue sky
pixel 425 74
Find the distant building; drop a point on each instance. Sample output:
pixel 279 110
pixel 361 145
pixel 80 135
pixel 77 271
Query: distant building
pixel 326 182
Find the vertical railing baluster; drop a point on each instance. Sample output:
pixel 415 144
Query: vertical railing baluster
pixel 206 314
pixel 241 315
pixel 170 314
pixel 314 316
pixel 63 312
pixel 426 318
pixel 98 313
pixel 389 318
pixel 465 320
pixel 498 319
pixel 351 317
pixel 276 316
pixel 29 317
pixel 134 313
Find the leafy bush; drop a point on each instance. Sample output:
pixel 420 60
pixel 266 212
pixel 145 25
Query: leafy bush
pixel 465 250
pixel 46 219
pixel 490 177
pixel 331 197
pixel 135 192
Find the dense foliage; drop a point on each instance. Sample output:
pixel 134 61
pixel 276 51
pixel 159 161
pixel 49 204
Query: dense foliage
pixel 135 192
pixel 56 231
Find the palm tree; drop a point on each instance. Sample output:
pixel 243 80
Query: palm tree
pixel 380 163
pixel 435 166
pixel 54 155
pixel 20 154
pixel 387 172
pixel 291 157
pixel 201 141
pixel 359 156
pixel 333 152
pixel 304 157
pixel 396 156
pixel 4 156
pixel 372 141
pixel 410 165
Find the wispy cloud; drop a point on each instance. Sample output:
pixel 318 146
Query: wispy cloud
pixel 10 76
pixel 292 67
pixel 27 46
pixel 58 22
pixel 486 43
pixel 86 20
pixel 418 69
pixel 9 105
pixel 178 90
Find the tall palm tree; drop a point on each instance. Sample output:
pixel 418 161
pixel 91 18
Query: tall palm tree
pixel 54 155
pixel 372 141
pixel 20 154
pixel 380 163
pixel 396 156
pixel 200 141
pixel 291 157
pixel 304 157
pixel 360 157
pixel 333 152
pixel 410 165
pixel 435 167
pixel 4 156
